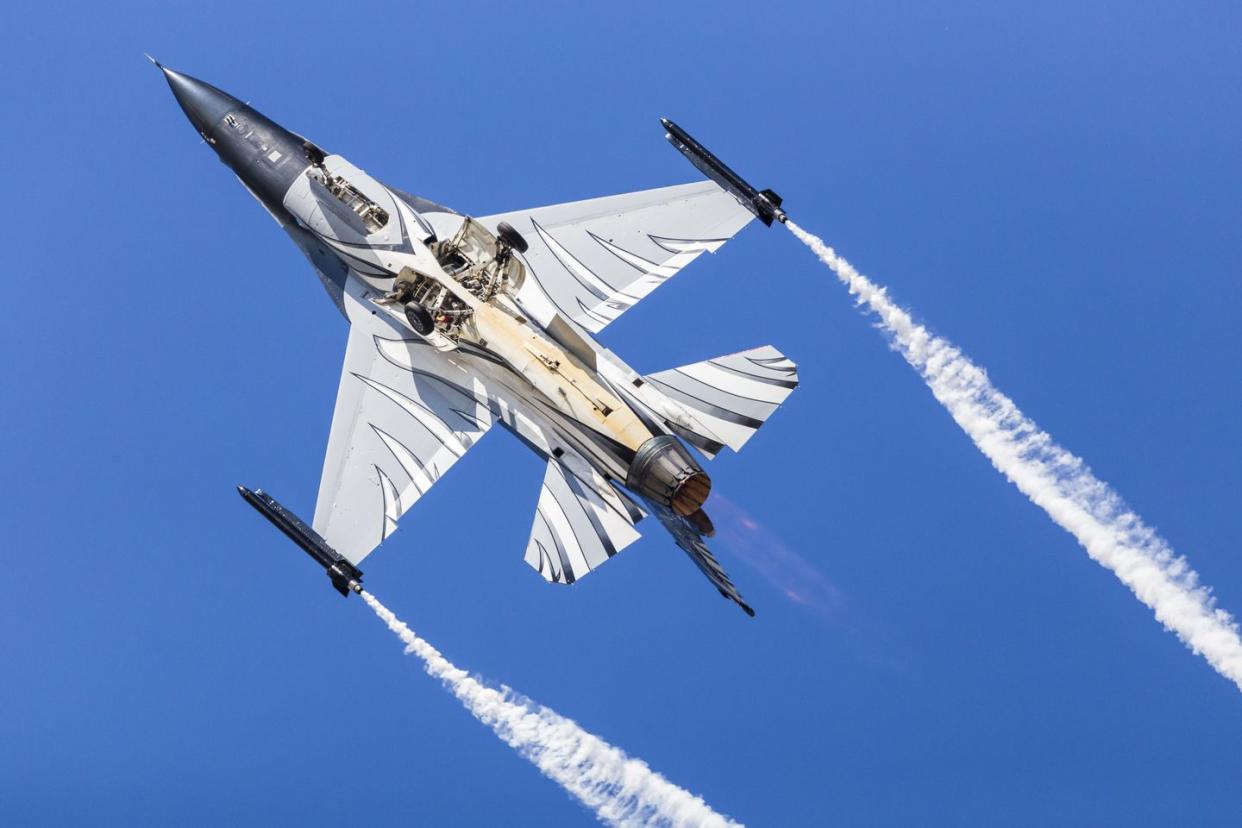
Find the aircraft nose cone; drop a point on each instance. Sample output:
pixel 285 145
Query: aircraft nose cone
pixel 202 103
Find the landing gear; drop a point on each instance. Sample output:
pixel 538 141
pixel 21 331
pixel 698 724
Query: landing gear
pixel 419 319
pixel 414 292
pixel 510 237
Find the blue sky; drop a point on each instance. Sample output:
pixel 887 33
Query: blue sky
pixel 1054 187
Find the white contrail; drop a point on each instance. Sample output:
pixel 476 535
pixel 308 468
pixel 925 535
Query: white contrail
pixel 1053 478
pixel 621 790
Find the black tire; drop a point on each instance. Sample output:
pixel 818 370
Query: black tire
pixel 511 237
pixel 420 320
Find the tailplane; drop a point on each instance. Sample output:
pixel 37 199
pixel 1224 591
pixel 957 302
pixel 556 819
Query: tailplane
pixel 579 524
pixel 728 397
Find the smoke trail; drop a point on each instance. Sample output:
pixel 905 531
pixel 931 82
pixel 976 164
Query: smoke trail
pixel 621 790
pixel 1053 478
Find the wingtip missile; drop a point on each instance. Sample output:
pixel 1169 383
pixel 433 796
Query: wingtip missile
pixel 765 204
pixel 345 577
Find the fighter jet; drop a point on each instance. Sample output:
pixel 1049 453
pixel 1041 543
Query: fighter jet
pixel 458 323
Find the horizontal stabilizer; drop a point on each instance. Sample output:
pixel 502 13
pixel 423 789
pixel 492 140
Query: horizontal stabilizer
pixel 729 397
pixel 578 525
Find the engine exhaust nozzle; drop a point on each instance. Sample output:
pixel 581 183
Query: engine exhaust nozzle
pixel 664 472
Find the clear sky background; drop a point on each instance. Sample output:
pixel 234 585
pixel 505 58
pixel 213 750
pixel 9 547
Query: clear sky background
pixel 1053 186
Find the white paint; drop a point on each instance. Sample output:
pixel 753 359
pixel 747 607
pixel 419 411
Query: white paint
pixel 649 268
pixel 409 463
pixel 392 503
pixel 619 789
pixel 558 521
pixel 425 417
pixel 746 387
pixel 1053 478
pixel 570 262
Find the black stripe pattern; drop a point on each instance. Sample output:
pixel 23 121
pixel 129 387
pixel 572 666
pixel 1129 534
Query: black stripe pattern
pixel 730 396
pixel 577 526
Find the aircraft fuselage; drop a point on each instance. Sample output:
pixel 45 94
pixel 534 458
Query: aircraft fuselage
pixel 569 397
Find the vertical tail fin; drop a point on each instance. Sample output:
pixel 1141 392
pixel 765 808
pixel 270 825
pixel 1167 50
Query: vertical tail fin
pixel 689 536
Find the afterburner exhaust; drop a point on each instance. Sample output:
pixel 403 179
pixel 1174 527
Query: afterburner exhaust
pixel 664 472
pixel 345 577
pixel 765 204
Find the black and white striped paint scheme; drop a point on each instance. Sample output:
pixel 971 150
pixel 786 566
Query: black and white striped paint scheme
pixel 408 407
pixel 731 396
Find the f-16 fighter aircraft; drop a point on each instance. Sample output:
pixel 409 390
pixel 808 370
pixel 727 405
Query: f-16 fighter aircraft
pixel 458 323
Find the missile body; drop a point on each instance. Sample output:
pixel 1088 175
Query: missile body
pixel 344 575
pixel 765 204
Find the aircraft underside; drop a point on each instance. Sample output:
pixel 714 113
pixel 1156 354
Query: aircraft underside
pixel 457 323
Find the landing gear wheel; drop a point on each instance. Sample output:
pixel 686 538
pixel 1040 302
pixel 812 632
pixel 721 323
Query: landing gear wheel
pixel 511 237
pixel 419 318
